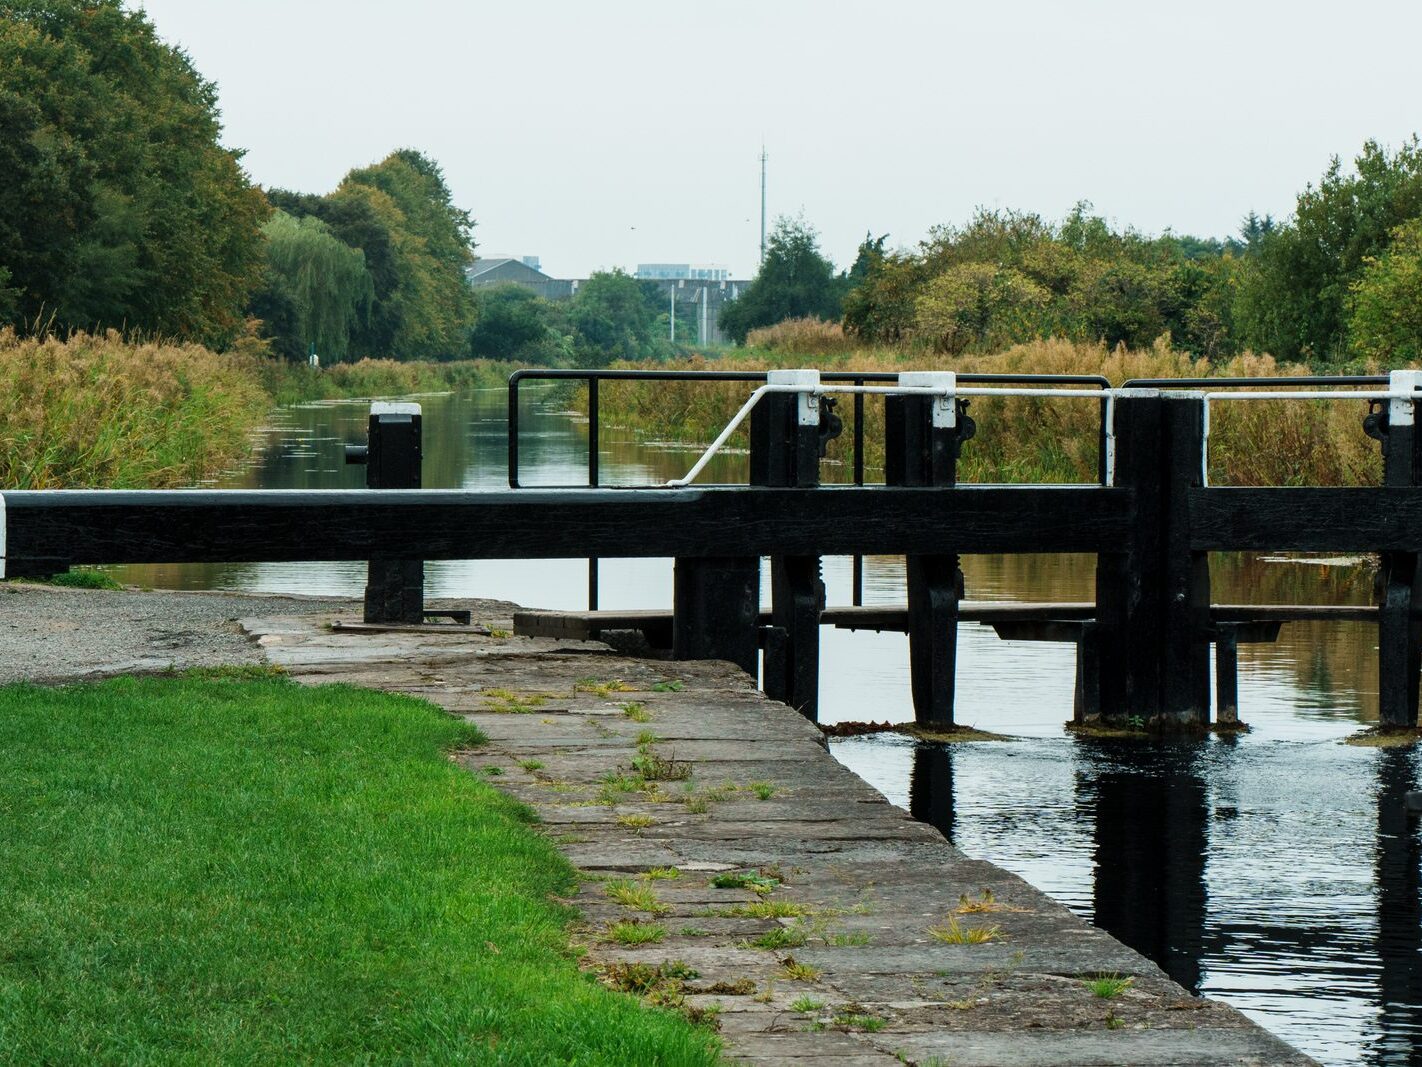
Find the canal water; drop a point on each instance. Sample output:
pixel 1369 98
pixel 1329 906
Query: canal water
pixel 1275 870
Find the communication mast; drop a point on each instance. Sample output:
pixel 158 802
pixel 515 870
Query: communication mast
pixel 762 201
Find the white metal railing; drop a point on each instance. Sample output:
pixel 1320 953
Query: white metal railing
pixel 942 385
pixel 1403 390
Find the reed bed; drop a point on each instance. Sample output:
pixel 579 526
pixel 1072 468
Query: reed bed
pixel 92 411
pixel 1028 439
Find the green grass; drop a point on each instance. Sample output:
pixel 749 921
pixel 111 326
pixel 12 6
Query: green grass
pixel 219 870
pixel 1109 986
pixel 781 937
pixel 753 880
pixel 84 578
pixel 859 1021
pixel 636 712
pixel 632 932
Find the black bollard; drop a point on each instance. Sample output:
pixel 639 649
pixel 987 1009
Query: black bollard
pixel 923 436
pixel 785 453
pixel 394 588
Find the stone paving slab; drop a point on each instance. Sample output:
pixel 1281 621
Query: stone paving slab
pixel 859 944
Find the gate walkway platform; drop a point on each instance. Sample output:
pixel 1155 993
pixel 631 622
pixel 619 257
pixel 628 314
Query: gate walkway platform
pixel 847 954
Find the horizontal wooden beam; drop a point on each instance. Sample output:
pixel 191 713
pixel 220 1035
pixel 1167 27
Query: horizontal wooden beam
pixel 195 526
pixel 1282 519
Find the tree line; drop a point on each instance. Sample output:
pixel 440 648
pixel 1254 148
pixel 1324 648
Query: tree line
pixel 120 208
pixel 1337 283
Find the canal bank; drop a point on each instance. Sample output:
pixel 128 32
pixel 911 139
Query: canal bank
pixel 733 866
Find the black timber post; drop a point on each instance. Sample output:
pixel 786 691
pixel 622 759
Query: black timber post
pixel 921 444
pixel 1399 628
pixel 394 588
pixel 785 453
pixel 1153 595
pixel 716 609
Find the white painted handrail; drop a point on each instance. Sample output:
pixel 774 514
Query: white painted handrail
pixel 818 390
pixel 1405 389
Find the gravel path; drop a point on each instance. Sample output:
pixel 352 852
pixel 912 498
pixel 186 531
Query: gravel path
pixel 52 634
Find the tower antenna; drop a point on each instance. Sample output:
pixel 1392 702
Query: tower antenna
pixel 762 201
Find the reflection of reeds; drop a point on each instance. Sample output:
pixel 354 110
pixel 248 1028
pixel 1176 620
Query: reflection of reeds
pixel 292 383
pixel 1025 439
pixel 99 411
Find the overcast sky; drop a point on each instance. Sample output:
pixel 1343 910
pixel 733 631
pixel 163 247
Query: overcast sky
pixel 603 134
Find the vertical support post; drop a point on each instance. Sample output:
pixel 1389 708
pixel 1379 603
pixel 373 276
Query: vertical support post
pixel 785 453
pixel 594 436
pixel 921 449
pixel 1397 583
pixel 1086 699
pixel 394 588
pixel 857 594
pixel 715 610
pixel 1153 595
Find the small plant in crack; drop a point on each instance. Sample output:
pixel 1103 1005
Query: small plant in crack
pixel 796 971
pixel 633 932
pixel 637 897
pixel 755 881
pixel 637 712
pixel 1109 986
pixel 601 688
pixel 655 768
pixel 956 933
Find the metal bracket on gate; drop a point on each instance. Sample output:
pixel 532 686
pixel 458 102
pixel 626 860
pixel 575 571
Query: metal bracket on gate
pixel 831 425
pixel 967 427
pixel 1375 422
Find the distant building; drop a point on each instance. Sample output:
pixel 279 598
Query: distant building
pixel 698 305
pixel 506 270
pixel 701 272
pixel 698 290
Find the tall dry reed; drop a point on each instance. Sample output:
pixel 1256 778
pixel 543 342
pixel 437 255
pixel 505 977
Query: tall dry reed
pixel 95 411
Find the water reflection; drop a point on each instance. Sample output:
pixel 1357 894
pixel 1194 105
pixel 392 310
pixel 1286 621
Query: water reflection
pixel 1146 805
pixel 1399 890
pixel 1262 874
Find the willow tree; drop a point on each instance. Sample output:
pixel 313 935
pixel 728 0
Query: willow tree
pixel 318 290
